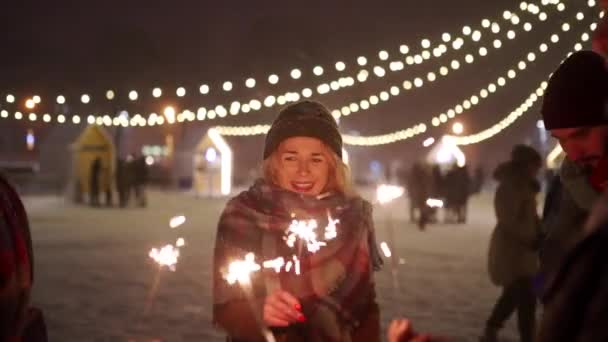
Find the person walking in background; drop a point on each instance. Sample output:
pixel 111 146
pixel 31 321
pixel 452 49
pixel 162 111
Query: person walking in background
pixel 94 181
pixel 513 252
pixel 140 179
pixel 122 182
pixel 418 189
pixel 478 180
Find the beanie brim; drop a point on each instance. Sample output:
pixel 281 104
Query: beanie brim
pixel 306 127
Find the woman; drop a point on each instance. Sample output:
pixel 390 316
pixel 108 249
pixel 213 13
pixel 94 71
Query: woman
pixel 513 255
pixel 333 296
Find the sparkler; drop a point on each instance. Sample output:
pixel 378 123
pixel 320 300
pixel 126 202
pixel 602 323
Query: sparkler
pixel 385 194
pixel 177 221
pixel 239 271
pixel 300 232
pixel 434 203
pixel 165 256
pixel 385 249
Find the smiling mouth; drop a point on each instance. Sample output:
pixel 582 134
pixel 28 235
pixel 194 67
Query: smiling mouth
pixel 302 186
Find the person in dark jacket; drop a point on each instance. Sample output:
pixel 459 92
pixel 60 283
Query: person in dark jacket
pixel 576 301
pixel 574 111
pixel 94 182
pixel 122 184
pixel 140 179
pixel 18 320
pixel 513 256
pixel 329 293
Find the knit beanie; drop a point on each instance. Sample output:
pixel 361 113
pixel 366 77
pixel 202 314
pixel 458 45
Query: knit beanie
pixel 304 119
pixel 577 93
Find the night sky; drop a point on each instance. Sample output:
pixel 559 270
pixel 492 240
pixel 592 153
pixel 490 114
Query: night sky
pixel 72 47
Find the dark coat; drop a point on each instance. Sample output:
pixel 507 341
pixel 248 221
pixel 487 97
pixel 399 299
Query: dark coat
pixel 576 302
pixel 513 253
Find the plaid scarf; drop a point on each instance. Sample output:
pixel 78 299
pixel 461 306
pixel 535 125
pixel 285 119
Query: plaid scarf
pixel 335 284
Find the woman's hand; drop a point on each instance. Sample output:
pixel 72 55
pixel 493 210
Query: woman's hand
pixel 400 330
pixel 282 309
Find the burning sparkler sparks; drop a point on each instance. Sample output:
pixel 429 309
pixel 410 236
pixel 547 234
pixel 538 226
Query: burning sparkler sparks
pixel 298 231
pixel 165 256
pixel 330 231
pixel 240 270
pixel 434 203
pixel 387 193
pixel 305 231
pixel 385 249
pixel 277 264
pixel 177 221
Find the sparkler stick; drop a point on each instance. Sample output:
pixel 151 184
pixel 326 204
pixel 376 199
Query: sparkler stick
pixel 166 256
pixel 240 271
pixel 385 195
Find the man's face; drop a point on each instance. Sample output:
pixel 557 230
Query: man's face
pixel 583 145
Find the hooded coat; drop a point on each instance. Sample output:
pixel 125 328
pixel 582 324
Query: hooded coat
pixel 514 241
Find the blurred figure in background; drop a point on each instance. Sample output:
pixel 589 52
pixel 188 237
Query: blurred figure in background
pixel 94 182
pixel 418 185
pixel 457 191
pixel 140 179
pixel 513 253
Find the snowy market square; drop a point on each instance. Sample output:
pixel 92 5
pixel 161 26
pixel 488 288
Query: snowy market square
pixel 94 275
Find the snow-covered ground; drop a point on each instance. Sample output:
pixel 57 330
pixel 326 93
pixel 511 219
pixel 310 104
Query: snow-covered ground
pixel 93 274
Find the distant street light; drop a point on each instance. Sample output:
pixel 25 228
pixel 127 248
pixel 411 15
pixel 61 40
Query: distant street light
pixel 457 128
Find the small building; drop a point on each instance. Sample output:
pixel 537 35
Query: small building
pixel 93 143
pixel 212 166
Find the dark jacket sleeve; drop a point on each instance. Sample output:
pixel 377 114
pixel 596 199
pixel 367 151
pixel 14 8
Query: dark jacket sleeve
pixel 577 301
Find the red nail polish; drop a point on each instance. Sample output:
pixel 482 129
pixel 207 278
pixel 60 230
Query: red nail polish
pixel 301 319
pixel 298 307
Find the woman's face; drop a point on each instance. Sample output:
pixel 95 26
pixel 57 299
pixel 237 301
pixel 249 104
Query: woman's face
pixel 303 165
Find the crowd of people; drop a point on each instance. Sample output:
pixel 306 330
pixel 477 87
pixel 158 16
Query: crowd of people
pixel 131 176
pixel 453 188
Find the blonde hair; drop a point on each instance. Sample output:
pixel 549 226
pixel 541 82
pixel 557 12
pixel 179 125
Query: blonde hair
pixel 339 180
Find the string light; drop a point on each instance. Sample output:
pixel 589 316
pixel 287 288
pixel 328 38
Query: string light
pixel 157 92
pixel 404 49
pixel 296 74
pixel 435 121
pixel 133 95
pixel 227 86
pixel 417 82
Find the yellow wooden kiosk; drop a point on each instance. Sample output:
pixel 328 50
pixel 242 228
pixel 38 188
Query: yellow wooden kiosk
pixel 93 143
